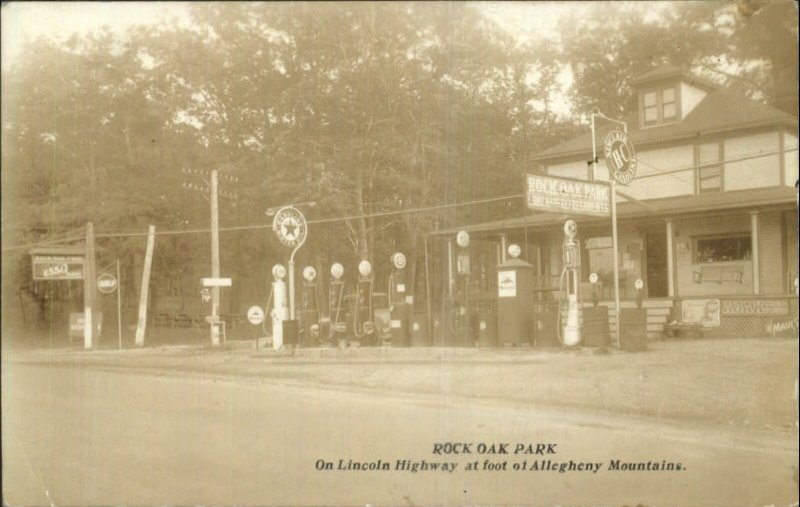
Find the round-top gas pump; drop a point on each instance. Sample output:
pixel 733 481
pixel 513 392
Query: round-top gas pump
pixel 280 310
pixel 363 327
pixel 335 303
pixel 399 310
pixel 309 309
pixel 461 315
pixel 570 331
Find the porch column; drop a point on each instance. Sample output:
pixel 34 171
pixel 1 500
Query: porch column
pixel 450 268
pixel 670 260
pixel 503 247
pixel 754 248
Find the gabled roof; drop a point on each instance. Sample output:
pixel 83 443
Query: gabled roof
pixel 668 71
pixel 675 207
pixel 721 110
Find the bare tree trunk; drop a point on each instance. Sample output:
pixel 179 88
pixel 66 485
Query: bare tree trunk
pixel 363 246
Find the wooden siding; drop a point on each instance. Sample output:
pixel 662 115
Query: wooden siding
pixel 771 250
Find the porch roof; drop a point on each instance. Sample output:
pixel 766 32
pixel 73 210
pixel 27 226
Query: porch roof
pixel 667 207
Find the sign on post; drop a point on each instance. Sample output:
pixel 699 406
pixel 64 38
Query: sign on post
pixel 564 195
pixel 620 157
pixel 58 267
pixel 290 227
pixel 255 315
pixel 106 283
pixel 217 282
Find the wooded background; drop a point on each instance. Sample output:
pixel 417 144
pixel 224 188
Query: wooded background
pixel 362 108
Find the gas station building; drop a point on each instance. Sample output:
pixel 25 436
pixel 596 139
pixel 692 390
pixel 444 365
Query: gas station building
pixel 710 215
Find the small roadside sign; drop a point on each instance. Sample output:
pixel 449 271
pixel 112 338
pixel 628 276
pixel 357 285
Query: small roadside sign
pixel 217 282
pixel 106 283
pixel 255 315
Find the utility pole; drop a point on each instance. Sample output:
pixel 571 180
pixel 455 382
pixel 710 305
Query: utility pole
pixel 214 199
pixel 89 290
pixel 212 187
pixel 148 262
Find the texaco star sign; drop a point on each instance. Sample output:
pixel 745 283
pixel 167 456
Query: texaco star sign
pixel 290 226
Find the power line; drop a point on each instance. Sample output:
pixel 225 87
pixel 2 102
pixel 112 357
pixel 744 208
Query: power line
pixel 127 234
pixel 317 221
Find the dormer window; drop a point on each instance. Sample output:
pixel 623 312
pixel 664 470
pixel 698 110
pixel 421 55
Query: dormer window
pixel 659 105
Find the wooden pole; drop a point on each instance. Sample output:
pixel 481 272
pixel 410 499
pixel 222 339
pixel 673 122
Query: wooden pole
pixel 89 289
pixel 214 253
pixel 119 307
pixel 148 261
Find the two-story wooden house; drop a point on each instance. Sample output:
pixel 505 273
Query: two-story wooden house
pixel 712 212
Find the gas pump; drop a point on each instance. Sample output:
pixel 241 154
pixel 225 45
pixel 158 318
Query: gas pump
pixel 399 310
pixel 335 303
pixel 280 311
pixel 570 333
pixel 461 314
pixel 309 309
pixel 363 326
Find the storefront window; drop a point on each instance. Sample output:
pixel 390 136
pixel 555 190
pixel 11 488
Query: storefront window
pixel 601 257
pixel 721 249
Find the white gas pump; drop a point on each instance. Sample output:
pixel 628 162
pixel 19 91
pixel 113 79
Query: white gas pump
pixel 280 311
pixel 570 333
pixel 309 308
pixel 335 300
pixel 363 325
pixel 399 309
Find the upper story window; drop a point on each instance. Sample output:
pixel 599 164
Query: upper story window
pixel 659 105
pixel 709 173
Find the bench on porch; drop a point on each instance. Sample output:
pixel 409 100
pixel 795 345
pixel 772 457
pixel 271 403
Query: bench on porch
pixel 718 274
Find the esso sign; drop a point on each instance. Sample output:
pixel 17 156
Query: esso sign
pixel 337 270
pixel 106 283
pixel 365 268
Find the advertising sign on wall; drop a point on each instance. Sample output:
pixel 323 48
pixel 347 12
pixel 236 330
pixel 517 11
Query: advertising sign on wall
pixel 743 307
pixel 507 284
pixel 563 195
pixel 700 311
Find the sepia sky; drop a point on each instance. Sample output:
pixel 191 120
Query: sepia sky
pixel 23 21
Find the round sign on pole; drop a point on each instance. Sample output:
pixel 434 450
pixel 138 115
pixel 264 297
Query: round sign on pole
pixel 639 284
pixel 337 270
pixel 462 238
pixel 514 250
pixel 106 283
pixel 290 226
pixel 399 260
pixel 365 268
pixel 255 315
pixel 620 157
pixel 593 278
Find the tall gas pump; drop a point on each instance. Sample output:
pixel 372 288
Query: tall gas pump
pixel 461 315
pixel 363 326
pixel 280 310
pixel 336 305
pixel 399 310
pixel 309 309
pixel 570 331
